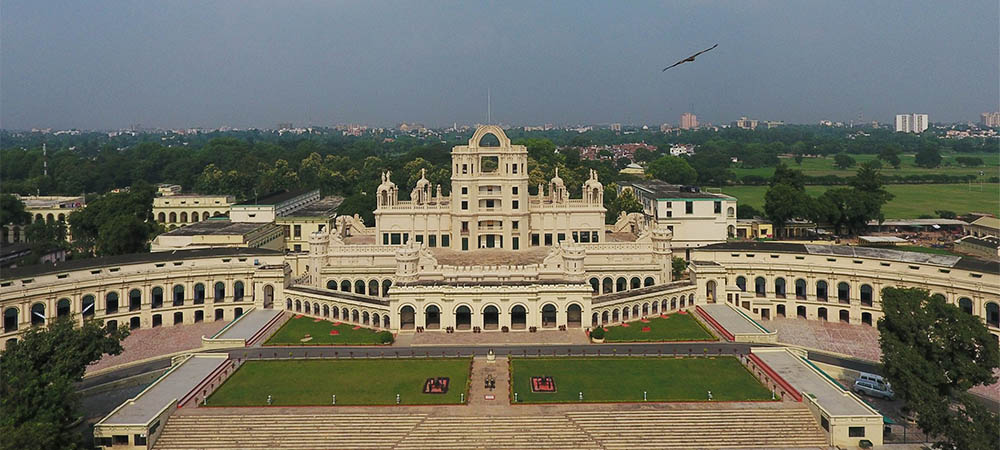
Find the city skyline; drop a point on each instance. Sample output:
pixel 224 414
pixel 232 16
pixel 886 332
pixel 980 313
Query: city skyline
pixel 258 64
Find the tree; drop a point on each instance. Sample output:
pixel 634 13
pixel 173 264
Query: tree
pixel 627 203
pixel 945 214
pixel 747 212
pixel 932 353
pixel 94 227
pixel 678 266
pixel 672 169
pixel 12 211
pixel 783 202
pixel 798 159
pixel 969 161
pixel 786 175
pixel 38 394
pixel 843 161
pixel 928 157
pixel 890 154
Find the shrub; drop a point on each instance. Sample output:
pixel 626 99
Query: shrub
pixel 385 337
pixel 597 333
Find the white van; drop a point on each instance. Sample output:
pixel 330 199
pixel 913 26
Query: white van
pixel 877 379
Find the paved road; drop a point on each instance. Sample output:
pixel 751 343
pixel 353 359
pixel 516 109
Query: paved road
pixel 653 349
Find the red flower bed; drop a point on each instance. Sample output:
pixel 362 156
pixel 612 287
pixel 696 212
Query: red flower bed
pixel 337 324
pixel 625 324
pixel 437 385
pixel 298 316
pixel 356 328
pixel 644 320
pixel 543 384
pixel 334 332
pixel 682 312
pixel 646 329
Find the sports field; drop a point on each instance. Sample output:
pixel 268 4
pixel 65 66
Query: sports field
pixel 623 379
pixel 302 330
pixel 354 382
pixel 910 202
pixel 673 327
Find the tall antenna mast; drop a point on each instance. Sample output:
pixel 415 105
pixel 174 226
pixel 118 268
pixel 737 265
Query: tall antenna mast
pixel 45 160
pixel 489 108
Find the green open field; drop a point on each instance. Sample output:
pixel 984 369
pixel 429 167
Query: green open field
pixel 354 382
pixel 824 166
pixel 295 330
pixel 674 327
pixel 624 379
pixel 911 201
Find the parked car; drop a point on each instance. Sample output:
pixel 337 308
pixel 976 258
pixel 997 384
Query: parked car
pixel 873 389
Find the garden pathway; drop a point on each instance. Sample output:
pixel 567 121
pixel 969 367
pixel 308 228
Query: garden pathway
pixel 497 338
pixel 499 369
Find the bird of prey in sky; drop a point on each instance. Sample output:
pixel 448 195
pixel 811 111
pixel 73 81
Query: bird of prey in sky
pixel 690 58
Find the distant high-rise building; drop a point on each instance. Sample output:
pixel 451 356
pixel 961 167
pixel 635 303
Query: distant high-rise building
pixel 665 128
pixel 617 127
pixel 911 123
pixel 990 119
pixel 689 121
pixel 746 124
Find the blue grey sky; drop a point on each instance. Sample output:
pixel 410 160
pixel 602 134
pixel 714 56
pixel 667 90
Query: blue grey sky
pixel 108 64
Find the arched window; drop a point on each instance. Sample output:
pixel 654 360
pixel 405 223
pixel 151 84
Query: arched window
pixel 173 217
pixel 238 291
pixel 607 285
pixel 38 314
pixel 635 283
pixel 63 307
pixel 111 303
pixel 157 297
pixel 199 293
pixel 648 282
pixel 345 286
pixel 88 305
pixel 965 304
pixel 288 304
pixel 741 282
pixel 162 217
pixel 331 285
pixel 406 318
pixel 359 287
pixel 760 286
pixel 993 315
pixel 134 300
pixel 373 288
pixel 220 291
pixel 779 287
pixel 548 315
pixel 867 295
pixel 620 284
pixel 595 285
pixel 386 284
pixel 843 292
pixel 298 306
pixel 821 293
pixel 800 289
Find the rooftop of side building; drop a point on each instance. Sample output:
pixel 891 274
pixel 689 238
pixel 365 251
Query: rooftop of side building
pixel 274 198
pixel 662 190
pixel 324 207
pixel 132 258
pixel 958 262
pixel 217 226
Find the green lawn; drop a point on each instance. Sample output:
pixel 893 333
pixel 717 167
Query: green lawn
pixel 354 382
pixel 296 329
pixel 675 327
pixel 824 166
pixel 623 379
pixel 911 200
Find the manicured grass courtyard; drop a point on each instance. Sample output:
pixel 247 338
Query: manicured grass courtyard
pixel 296 329
pixel 673 327
pixel 353 381
pixel 623 379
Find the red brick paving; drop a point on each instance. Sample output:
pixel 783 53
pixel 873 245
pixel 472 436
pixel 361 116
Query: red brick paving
pixel 150 342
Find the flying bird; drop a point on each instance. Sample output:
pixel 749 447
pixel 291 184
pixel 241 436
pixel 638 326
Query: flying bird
pixel 691 58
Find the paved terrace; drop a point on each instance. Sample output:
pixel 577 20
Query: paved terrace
pixel 732 320
pixel 148 343
pixel 796 371
pixel 173 386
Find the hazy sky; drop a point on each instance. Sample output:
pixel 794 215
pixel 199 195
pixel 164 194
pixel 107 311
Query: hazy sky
pixel 99 64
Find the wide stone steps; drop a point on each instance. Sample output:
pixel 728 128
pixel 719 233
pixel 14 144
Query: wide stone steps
pixel 510 432
pixel 761 428
pixel 663 429
pixel 298 431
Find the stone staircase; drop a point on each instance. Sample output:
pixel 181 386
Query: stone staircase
pixel 754 428
pixel 298 431
pixel 506 432
pixel 709 429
